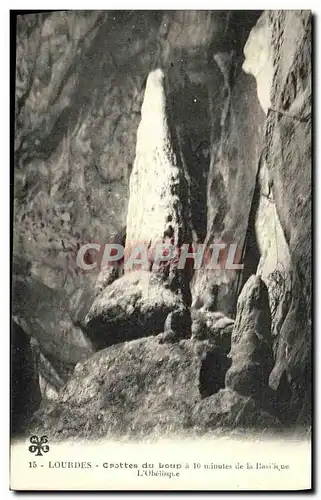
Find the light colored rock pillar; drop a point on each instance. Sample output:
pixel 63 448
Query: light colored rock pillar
pixel 157 181
pixel 251 343
pixel 158 201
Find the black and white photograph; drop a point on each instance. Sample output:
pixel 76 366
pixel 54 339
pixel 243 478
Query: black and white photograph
pixel 161 251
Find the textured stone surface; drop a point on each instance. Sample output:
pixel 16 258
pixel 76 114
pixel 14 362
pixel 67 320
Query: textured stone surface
pixel 230 409
pixel 144 388
pixel 81 81
pixel 75 150
pixel 251 343
pixel 136 388
pixel 158 208
pixel 133 306
pixel 40 312
pixel 274 250
pixel 208 325
pixel 288 157
pixel 236 143
pixel 80 86
pixel 259 59
pixel 157 190
pixel 290 163
pixel 79 92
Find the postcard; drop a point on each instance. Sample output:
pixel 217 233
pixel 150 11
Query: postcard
pixel 161 250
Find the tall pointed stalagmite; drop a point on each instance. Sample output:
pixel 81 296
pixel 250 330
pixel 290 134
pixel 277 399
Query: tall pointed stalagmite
pixel 158 202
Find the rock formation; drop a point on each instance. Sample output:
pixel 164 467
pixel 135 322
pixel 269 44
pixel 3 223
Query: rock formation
pixel 251 342
pixel 40 312
pixel 137 388
pixel 133 306
pixel 149 388
pixel 230 410
pixel 208 325
pixel 158 207
pixel 288 156
pixel 115 269
pixel 157 191
pixel 182 126
pixel 243 400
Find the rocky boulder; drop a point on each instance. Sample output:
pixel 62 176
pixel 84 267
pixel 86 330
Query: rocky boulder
pixel 142 387
pixel 136 305
pixel 106 277
pixel 145 388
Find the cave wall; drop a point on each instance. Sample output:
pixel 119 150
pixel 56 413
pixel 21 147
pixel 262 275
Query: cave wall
pixel 289 157
pixel 79 89
pixel 284 67
pixel 236 147
pixel 80 83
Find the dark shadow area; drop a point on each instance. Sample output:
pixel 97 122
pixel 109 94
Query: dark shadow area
pixel 189 110
pixel 25 391
pixel 251 253
pixel 212 374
